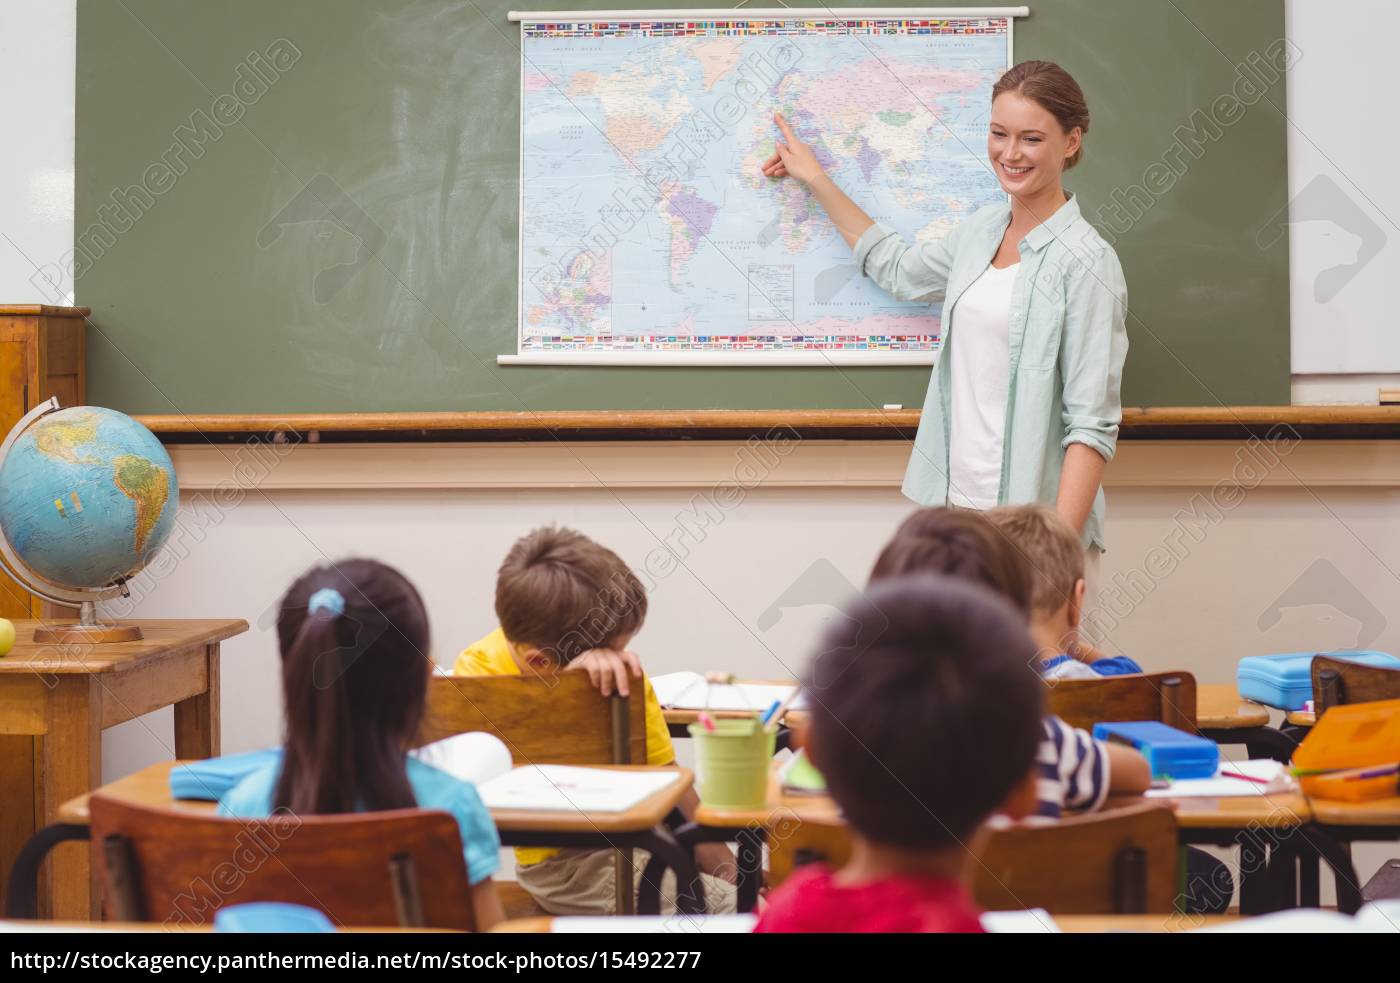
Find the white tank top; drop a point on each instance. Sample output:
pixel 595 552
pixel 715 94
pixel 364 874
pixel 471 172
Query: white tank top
pixel 981 377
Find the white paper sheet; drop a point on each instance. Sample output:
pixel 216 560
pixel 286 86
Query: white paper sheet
pixel 473 757
pixel 565 788
pixel 1222 786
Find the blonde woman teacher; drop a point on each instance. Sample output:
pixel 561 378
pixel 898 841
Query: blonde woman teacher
pixel 1024 404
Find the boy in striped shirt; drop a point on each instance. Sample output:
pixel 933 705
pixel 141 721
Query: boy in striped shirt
pixel 1074 771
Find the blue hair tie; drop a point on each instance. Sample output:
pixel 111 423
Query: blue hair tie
pixel 327 599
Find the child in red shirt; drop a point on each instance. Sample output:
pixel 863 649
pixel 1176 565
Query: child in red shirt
pixel 919 665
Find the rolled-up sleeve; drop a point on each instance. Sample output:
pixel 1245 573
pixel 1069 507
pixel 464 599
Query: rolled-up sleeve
pixel 1093 348
pixel 905 272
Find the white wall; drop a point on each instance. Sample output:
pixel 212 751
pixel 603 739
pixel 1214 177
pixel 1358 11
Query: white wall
pixel 1344 199
pixel 37 56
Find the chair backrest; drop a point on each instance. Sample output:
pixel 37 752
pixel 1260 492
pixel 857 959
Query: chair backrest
pixel 559 719
pixel 1336 682
pixel 403 867
pixel 1166 696
pixel 1121 862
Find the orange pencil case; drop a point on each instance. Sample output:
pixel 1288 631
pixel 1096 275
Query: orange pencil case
pixel 1349 787
pixel 1348 741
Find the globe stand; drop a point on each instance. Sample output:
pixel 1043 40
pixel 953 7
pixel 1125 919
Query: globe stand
pixel 88 630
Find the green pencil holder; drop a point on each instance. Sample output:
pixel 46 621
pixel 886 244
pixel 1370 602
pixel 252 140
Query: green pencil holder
pixel 732 763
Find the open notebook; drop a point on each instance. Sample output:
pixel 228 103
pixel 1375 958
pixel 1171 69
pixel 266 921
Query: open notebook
pixel 566 788
pixel 485 761
pixel 689 691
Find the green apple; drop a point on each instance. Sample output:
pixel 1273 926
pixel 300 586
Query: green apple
pixel 7 637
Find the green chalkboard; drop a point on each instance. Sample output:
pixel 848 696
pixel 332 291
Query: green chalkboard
pixel 229 294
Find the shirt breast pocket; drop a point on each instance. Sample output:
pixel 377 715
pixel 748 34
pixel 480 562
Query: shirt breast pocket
pixel 1040 346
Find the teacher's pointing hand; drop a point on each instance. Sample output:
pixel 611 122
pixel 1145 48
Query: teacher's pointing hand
pixel 792 157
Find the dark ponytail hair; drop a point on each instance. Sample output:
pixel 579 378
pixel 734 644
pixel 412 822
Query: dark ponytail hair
pixel 355 667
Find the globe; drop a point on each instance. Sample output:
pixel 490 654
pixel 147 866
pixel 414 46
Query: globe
pixel 87 495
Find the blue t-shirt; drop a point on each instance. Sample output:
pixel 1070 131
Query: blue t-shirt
pixel 432 789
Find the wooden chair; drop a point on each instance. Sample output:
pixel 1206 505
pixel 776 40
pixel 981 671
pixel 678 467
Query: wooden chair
pixel 806 842
pixel 403 867
pixel 1121 862
pixel 560 719
pixel 1166 696
pixel 1337 682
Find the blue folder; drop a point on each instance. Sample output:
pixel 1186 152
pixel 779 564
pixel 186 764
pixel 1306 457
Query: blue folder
pixel 211 778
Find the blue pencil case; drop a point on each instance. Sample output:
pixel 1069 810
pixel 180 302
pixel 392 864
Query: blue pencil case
pixel 1285 680
pixel 211 778
pixel 1170 753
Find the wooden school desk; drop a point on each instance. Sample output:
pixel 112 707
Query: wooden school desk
pixel 58 698
pixel 642 827
pixel 1227 718
pixel 1221 821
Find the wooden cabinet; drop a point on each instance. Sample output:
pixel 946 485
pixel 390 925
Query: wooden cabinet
pixel 41 355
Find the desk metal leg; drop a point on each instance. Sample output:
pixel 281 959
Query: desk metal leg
pixel 22 891
pixel 1309 881
pixel 750 841
pixel 1338 859
pixel 750 875
pixel 665 852
pixel 1254 879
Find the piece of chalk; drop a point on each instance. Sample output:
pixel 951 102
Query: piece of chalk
pixel 894 406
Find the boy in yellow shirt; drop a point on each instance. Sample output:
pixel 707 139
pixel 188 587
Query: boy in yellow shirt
pixel 565 602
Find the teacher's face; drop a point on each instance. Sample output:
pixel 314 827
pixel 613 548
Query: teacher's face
pixel 1027 146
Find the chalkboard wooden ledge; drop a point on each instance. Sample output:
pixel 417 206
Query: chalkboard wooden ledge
pixel 1166 423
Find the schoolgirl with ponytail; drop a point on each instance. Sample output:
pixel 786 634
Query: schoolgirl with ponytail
pixel 354 643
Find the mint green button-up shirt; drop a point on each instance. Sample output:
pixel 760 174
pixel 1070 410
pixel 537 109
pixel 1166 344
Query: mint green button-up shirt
pixel 1067 340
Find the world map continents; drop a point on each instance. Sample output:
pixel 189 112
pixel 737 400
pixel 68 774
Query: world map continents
pixel 646 224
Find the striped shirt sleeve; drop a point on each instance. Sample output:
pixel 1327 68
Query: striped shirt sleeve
pixel 1072 770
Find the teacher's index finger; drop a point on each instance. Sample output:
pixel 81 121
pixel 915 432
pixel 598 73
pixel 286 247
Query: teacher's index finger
pixel 788 135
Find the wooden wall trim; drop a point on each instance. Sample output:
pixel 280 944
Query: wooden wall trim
pixel 235 471
pixel 1321 422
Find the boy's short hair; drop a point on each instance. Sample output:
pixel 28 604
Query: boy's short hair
pixel 564 594
pixel 924 731
pixel 959 543
pixel 1053 552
